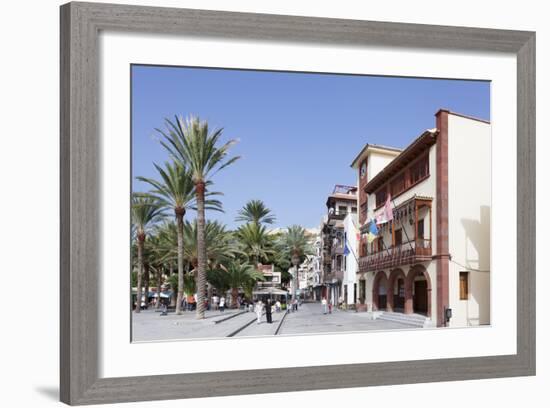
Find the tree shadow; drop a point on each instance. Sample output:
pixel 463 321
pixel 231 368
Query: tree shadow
pixel 478 234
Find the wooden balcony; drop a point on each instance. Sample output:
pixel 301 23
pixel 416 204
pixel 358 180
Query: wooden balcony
pixel 333 276
pixel 407 253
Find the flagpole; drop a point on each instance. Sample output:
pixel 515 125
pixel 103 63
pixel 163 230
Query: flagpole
pixel 404 229
pixel 351 250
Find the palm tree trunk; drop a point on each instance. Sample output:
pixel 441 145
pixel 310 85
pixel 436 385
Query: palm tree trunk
pixel 234 296
pixel 159 284
pixel 140 240
pixel 146 284
pixel 179 218
pixel 294 296
pixel 170 273
pixel 201 251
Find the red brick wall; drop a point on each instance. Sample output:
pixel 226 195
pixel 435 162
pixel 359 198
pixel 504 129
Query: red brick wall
pixel 442 216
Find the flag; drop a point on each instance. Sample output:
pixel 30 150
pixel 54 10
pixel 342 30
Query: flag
pixel 357 232
pixel 373 229
pixel 346 249
pixel 388 212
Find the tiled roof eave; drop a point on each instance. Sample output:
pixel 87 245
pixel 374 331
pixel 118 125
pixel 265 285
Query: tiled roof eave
pixel 424 141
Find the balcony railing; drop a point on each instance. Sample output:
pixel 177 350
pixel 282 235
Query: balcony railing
pixel 337 250
pixel 338 215
pixel 406 253
pixel 334 275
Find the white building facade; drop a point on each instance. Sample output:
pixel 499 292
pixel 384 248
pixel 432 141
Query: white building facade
pixel 340 204
pixel 351 259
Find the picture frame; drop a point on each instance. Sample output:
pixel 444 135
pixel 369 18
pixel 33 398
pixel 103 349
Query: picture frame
pixel 80 234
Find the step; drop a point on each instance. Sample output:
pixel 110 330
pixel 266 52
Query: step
pixel 411 320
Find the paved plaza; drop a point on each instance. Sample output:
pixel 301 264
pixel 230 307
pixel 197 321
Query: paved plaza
pixel 149 325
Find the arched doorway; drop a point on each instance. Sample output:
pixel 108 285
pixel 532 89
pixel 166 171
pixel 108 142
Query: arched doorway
pixel 418 282
pixel 380 291
pixel 396 291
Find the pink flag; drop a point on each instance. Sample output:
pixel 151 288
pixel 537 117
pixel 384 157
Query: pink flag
pixel 388 212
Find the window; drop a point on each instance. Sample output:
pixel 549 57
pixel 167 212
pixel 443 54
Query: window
pixel 464 290
pixel 398 185
pixel 380 243
pixel 418 171
pixel 398 237
pixel 381 197
pixel 420 229
pixel 342 209
pixel 354 210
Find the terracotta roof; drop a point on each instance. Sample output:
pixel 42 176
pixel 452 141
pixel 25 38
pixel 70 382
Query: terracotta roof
pixel 426 139
pixel 389 149
pixel 464 116
pixel 344 196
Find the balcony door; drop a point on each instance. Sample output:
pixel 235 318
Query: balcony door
pixel 399 295
pixel 382 296
pixel 420 301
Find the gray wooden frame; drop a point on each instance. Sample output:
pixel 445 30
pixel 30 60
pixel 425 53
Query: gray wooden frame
pixel 80 233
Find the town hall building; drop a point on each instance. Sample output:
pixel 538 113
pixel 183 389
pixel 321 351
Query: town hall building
pixel 432 258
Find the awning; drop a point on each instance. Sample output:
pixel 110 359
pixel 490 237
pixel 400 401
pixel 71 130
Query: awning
pixel 163 295
pixel 270 291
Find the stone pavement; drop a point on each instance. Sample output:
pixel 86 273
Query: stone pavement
pixel 310 319
pixel 149 325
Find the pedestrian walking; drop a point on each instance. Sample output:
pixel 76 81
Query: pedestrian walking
pixel 330 308
pixel 324 303
pixel 215 301
pixel 222 304
pixel 258 309
pixel 278 306
pixel 268 311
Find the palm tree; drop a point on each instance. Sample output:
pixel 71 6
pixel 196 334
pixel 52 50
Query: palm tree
pixel 176 192
pixel 248 285
pixel 219 279
pixel 255 241
pixel 255 211
pixel 295 244
pixel 240 275
pixel 163 256
pixel 220 248
pixel 145 212
pixel 194 145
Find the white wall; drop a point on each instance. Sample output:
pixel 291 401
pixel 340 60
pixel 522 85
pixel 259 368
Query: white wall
pixel 425 188
pixel 469 218
pixel 376 162
pixel 350 272
pixel 29 83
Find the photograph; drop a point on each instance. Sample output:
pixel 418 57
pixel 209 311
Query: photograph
pixel 276 203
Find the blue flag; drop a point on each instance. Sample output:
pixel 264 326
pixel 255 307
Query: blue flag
pixel 373 229
pixel 346 249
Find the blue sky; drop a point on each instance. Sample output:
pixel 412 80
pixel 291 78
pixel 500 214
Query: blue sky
pixel 298 133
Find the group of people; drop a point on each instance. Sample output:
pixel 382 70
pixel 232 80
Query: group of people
pixel 327 306
pixel 218 303
pixel 269 308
